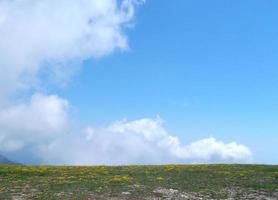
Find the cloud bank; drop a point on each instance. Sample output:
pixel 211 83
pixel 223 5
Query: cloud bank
pixel 43 125
pixel 54 37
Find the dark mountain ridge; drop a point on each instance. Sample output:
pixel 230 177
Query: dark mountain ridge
pixel 6 161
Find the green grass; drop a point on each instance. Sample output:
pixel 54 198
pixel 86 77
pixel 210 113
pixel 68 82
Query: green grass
pixel 24 182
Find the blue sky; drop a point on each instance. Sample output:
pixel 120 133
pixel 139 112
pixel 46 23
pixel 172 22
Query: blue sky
pixel 206 68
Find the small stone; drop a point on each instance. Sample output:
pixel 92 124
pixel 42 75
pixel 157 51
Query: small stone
pixel 126 193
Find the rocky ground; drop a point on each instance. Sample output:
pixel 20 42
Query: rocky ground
pixel 171 194
pixel 167 194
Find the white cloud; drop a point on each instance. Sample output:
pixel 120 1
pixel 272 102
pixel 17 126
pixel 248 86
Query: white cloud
pixel 208 149
pixel 42 120
pixel 36 34
pixel 43 125
pixel 143 141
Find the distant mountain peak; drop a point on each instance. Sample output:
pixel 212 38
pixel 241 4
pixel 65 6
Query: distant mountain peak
pixel 4 160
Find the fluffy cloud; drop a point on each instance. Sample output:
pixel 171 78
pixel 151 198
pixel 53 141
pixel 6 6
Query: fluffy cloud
pixel 143 141
pixel 43 125
pixel 42 120
pixel 52 35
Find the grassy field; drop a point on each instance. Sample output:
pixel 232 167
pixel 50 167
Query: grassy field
pixel 140 182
